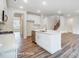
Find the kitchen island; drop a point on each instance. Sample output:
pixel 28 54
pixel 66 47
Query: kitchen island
pixel 49 40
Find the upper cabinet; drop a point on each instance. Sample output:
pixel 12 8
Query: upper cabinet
pixel 3 5
pixel 35 18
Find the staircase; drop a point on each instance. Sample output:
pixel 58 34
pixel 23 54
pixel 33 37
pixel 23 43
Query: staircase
pixel 57 25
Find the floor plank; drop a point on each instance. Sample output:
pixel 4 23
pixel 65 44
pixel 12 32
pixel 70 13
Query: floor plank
pixel 70 48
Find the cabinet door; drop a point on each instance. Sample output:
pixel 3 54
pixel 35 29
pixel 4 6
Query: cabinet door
pixel 3 5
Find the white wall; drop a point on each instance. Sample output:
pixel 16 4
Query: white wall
pixel 24 21
pixel 16 24
pixel 44 22
pixel 68 24
pixel 32 20
pixel 65 25
pixel 3 5
pixel 51 22
pixel 76 25
pixel 8 26
pixel 29 28
pixel 1 8
pixel 35 18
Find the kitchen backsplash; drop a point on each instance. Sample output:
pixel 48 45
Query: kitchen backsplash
pixel 4 27
pixel 7 26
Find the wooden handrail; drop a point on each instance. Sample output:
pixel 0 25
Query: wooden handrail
pixel 57 25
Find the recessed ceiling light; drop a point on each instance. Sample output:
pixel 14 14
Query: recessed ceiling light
pixel 44 2
pixel 21 7
pixel 25 1
pixel 38 11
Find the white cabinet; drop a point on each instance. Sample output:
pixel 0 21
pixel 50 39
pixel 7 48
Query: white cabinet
pixel 34 18
pixel 3 5
pixel 7 42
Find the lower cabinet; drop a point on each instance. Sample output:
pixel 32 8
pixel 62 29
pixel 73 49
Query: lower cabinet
pixel 33 36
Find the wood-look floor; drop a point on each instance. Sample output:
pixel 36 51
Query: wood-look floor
pixel 70 48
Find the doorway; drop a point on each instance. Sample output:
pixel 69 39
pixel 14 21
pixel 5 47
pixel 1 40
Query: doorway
pixel 18 27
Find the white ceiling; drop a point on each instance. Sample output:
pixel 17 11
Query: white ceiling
pixel 65 6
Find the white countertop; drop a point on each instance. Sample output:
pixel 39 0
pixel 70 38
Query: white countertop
pixel 49 32
pixel 38 29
